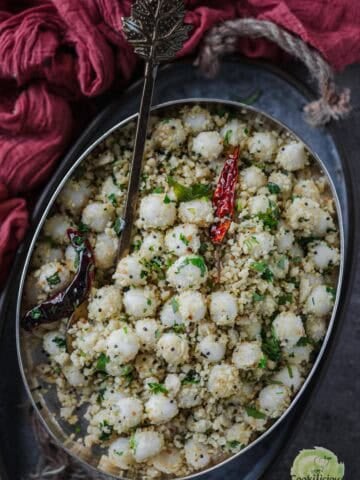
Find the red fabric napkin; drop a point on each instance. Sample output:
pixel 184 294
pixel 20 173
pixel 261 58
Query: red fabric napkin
pixel 56 53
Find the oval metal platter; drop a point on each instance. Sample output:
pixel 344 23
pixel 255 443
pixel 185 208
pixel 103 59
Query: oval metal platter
pixel 251 461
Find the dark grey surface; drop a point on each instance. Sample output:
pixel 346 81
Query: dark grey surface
pixel 332 419
pixel 333 416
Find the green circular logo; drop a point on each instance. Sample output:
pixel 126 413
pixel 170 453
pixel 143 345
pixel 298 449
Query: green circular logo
pixel 317 464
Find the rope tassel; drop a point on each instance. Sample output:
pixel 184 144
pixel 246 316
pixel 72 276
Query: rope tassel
pixel 222 39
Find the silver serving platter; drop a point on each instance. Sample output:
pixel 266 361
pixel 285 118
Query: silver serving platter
pixel 45 402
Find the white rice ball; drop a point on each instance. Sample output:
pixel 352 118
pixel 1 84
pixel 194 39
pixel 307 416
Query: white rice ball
pixel 73 375
pixel 223 308
pixel 316 328
pixel 53 277
pixel 129 413
pixel 192 306
pixel 120 453
pixel 197 119
pixel 54 343
pixel 199 212
pixel 147 444
pixel 105 250
pixel 288 328
pixel 183 239
pixel 140 302
pixel 160 409
pixel 106 303
pixel 208 144
pixel 234 132
pixel 252 178
pixel 320 301
pixel 97 216
pixel 213 350
pixel 155 213
pixel 292 157
pixel 173 348
pixel 146 330
pixel 289 376
pixel 223 380
pixel 74 196
pixel 247 355
pixel 323 256
pixel 152 245
pixel 262 145
pixel 188 272
pixel 273 400
pixel 196 454
pixel 170 314
pixel 56 227
pixel 284 182
pixel 130 271
pixel 122 345
pixel 169 134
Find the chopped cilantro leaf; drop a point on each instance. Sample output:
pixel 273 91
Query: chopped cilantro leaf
pixel 273 188
pixel 132 443
pixel 185 194
pixel 167 199
pixel 262 362
pixel 255 413
pixel 101 363
pixel 232 444
pixel 118 225
pixel 159 190
pixel 106 430
pixel 192 377
pixel 332 292
pixel 271 346
pixel 184 239
pixel 257 297
pixel 263 268
pixel 289 369
pixel 251 242
pixel 100 396
pixel 35 313
pixel 227 136
pixel 271 217
pixel 60 342
pixel 198 262
pixel 179 328
pixel 286 298
pixel 157 387
pixel 175 304
pixel 282 262
pixel 54 279
pixel 127 372
pixel 83 228
pixel 112 199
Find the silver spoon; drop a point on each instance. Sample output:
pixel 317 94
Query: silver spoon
pixel 157 32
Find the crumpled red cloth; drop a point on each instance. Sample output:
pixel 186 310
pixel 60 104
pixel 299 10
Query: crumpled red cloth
pixel 57 53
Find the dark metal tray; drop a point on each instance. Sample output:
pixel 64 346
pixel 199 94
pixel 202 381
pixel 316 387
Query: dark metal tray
pixel 278 96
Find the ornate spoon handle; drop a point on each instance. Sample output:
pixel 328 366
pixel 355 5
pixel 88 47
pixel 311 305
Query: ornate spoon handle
pixel 136 165
pixel 156 30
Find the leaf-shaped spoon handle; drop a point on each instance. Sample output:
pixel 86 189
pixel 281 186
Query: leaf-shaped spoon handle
pixel 156 30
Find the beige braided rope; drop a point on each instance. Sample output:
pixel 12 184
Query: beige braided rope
pixel 223 39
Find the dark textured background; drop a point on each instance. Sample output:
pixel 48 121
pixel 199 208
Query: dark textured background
pixel 332 419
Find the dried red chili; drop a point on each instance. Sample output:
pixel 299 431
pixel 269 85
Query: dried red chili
pixel 224 197
pixel 64 303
